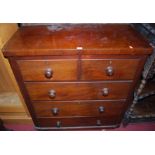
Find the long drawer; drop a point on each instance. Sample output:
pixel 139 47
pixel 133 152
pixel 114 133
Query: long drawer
pixel 48 70
pixel 108 69
pixel 78 108
pixel 59 123
pixel 77 90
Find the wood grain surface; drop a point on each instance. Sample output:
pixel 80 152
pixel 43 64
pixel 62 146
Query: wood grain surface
pixel 62 69
pixel 66 39
pixel 77 90
pixel 78 108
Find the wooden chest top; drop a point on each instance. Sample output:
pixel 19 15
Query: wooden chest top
pixel 69 39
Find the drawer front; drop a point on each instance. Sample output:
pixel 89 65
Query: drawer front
pixel 112 69
pixel 77 90
pixel 59 123
pixel 78 108
pixel 48 70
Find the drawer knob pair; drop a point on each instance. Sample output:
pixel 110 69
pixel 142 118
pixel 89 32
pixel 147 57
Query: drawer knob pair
pixel 58 123
pixel 52 92
pixel 109 71
pixel 55 111
pixel 48 73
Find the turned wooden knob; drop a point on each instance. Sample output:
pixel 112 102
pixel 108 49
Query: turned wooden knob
pixel 58 124
pixel 101 109
pixel 55 111
pixel 109 71
pixel 48 73
pixel 105 91
pixel 52 93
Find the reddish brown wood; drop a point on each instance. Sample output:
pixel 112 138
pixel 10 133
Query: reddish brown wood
pixel 93 38
pixel 79 122
pixel 78 108
pixel 78 90
pixel 78 55
pixel 62 69
pixel 96 69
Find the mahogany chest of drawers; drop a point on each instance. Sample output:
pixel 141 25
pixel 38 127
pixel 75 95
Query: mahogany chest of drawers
pixel 77 76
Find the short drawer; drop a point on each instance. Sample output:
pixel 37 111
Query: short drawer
pixel 48 70
pixel 109 69
pixel 79 122
pixel 78 90
pixel 78 108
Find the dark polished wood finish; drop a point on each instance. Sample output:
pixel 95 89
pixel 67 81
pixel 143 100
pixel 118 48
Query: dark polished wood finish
pixel 109 69
pixel 64 40
pixel 75 76
pixel 37 70
pixel 79 122
pixel 78 108
pixel 78 90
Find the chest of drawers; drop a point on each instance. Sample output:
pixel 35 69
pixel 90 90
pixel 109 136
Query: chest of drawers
pixel 77 76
